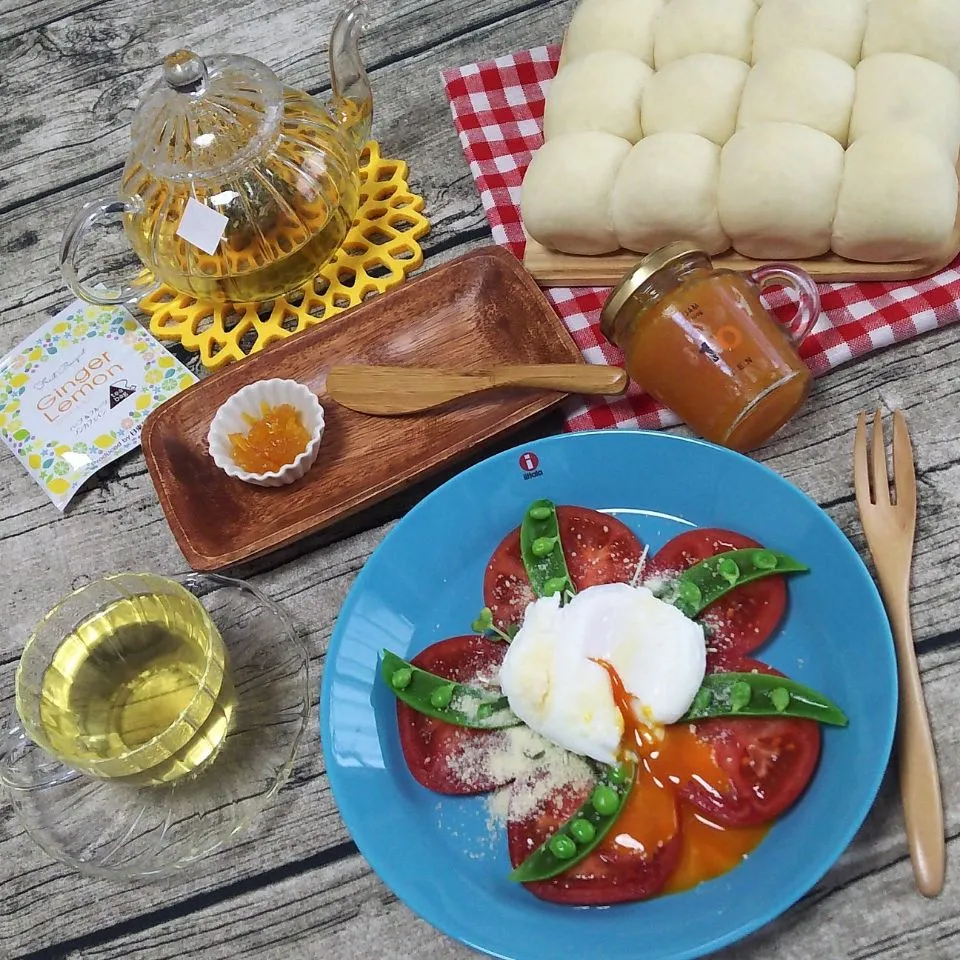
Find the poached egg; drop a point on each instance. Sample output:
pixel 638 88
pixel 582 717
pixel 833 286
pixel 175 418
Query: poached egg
pixel 557 671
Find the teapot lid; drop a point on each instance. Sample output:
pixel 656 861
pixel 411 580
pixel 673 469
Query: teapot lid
pixel 205 115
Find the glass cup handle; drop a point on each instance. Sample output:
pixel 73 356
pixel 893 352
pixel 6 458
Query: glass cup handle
pixel 73 237
pixel 808 307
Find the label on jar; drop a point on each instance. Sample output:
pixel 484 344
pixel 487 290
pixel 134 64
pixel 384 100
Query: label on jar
pixel 724 345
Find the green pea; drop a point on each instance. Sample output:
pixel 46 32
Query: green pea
pixel 442 696
pixel 562 847
pixel 401 678
pixel 483 622
pixel 765 560
pixel 617 774
pixel 728 569
pixel 539 513
pixel 701 701
pixel 688 592
pixel 485 711
pixel 554 585
pixel 605 800
pixel 780 698
pixel 542 546
pixel 740 695
pixel 582 831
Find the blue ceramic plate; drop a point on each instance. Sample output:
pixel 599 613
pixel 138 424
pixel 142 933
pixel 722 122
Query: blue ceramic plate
pixel 424 582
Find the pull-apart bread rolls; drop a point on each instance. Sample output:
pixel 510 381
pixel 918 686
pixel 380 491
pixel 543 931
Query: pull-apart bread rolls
pixel 786 129
pixel 834 26
pixel 800 85
pixel 626 25
pixel 566 196
pixel 928 28
pixel 696 94
pixel 600 91
pixel 704 26
pixel 896 89
pixel 667 189
pixel 778 188
pixel 898 200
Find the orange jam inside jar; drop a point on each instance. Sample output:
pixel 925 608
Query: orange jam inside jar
pixel 699 340
pixel 275 438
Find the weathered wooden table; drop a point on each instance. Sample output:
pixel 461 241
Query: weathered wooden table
pixel 296 886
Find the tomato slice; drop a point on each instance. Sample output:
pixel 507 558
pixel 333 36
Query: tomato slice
pixel 768 761
pixel 744 618
pixel 611 874
pixel 598 549
pixel 440 756
pixel 506 588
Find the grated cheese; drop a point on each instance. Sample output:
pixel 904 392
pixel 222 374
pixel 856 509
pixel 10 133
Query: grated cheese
pixel 529 768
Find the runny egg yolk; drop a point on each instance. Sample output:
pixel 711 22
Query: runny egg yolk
pixel 668 757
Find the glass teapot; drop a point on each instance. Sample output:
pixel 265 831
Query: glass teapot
pixel 237 188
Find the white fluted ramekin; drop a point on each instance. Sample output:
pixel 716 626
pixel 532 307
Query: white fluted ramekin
pixel 250 400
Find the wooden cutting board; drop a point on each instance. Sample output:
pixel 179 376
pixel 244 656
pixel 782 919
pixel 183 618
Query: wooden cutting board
pixel 552 269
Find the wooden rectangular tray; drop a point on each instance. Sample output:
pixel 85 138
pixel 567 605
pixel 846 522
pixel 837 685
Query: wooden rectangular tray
pixel 552 269
pixel 479 310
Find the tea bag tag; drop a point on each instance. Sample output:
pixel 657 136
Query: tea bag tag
pixel 201 226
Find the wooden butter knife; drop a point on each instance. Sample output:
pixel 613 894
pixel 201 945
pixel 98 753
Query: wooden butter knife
pixel 391 391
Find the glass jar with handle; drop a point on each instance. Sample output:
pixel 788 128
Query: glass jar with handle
pixel 699 340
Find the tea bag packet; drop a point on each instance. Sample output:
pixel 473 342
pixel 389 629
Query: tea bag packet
pixel 74 395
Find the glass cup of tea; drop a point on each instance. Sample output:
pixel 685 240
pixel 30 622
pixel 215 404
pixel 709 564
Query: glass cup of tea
pixel 127 680
pixel 699 340
pixel 154 720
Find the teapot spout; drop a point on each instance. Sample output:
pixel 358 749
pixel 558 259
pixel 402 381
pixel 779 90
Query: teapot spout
pixel 352 96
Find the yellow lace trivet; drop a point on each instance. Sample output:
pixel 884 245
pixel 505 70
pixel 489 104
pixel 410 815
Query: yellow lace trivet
pixel 381 248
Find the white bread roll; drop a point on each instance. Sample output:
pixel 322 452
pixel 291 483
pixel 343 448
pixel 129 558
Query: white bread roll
pixel 667 190
pixel 903 89
pixel 928 28
pixel 566 194
pixel 600 91
pixel 704 26
pixel 834 26
pixel 696 94
pixel 898 199
pixel 801 85
pixel 626 25
pixel 777 190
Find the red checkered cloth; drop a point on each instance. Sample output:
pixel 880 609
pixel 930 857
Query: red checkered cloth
pixel 498 111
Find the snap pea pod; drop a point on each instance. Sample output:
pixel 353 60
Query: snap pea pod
pixel 761 695
pixel 542 551
pixel 700 585
pixel 437 697
pixel 580 835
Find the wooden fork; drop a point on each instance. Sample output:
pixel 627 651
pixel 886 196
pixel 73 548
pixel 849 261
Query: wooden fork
pixel 889 524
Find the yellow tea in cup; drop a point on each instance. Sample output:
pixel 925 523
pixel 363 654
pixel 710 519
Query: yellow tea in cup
pixel 128 679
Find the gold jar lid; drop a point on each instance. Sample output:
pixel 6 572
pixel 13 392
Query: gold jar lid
pixel 637 278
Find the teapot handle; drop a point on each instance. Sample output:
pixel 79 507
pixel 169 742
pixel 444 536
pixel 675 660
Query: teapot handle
pixel 73 238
